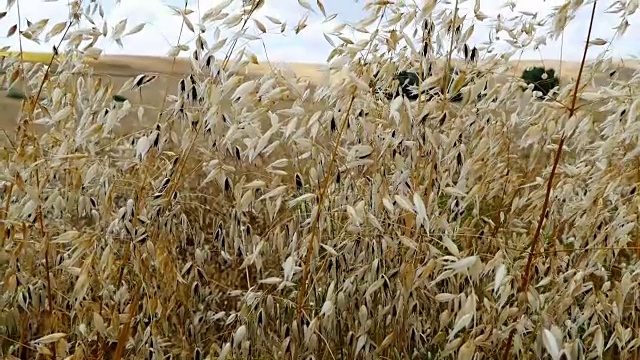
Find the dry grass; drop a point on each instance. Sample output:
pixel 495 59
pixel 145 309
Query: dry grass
pixel 270 218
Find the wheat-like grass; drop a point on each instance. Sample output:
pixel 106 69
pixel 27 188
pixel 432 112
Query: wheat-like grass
pixel 265 217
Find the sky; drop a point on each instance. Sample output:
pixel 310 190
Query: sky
pixel 309 46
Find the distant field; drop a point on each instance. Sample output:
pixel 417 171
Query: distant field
pixel 117 69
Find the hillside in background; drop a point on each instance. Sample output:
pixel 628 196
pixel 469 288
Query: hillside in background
pixel 117 69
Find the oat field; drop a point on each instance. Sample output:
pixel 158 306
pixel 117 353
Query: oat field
pixel 222 209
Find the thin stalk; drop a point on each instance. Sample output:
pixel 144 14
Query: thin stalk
pixel 39 215
pixel 445 80
pixel 124 334
pixel 315 225
pixel 47 266
pixel 524 282
pixel 316 221
pixel 20 66
pixel 324 189
pixel 3 214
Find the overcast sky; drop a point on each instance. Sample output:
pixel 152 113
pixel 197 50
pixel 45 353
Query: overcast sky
pixel 310 45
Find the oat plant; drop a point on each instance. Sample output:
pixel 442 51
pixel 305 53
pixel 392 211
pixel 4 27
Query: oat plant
pixel 265 217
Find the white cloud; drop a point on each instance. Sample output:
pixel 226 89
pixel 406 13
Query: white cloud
pixel 309 45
